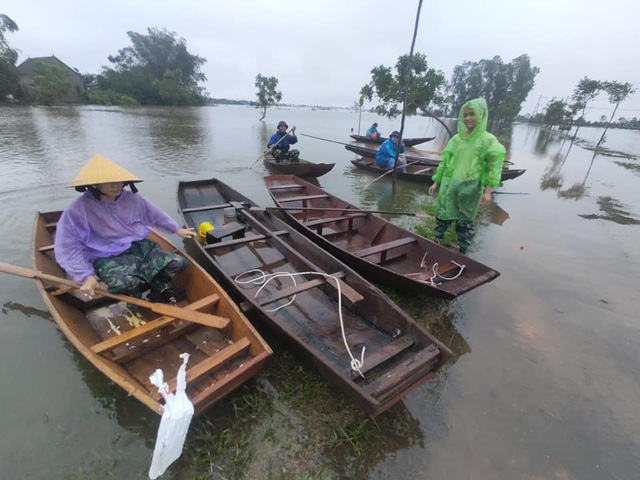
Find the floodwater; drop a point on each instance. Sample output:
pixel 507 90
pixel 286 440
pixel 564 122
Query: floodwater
pixel 547 380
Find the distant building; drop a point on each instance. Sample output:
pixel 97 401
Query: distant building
pixel 28 69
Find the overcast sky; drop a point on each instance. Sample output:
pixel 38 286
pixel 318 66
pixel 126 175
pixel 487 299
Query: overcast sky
pixel 323 51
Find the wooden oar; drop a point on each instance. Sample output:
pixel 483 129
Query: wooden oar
pixel 273 146
pixel 348 210
pixel 391 171
pixel 160 308
pixel 325 139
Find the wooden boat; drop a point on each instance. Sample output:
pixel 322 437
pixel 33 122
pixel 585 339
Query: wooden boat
pixel 371 153
pixel 408 142
pixel 399 354
pixel 422 174
pixel 301 168
pixel 377 249
pixel 220 359
pixel 412 173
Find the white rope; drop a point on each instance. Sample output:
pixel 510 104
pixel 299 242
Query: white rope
pixel 263 279
pixel 434 269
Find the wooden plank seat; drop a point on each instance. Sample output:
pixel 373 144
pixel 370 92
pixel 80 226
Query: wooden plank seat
pixel 207 207
pixel 46 248
pixel 384 247
pixel 323 221
pixel 303 198
pixel 240 241
pixel 287 187
pixel 232 229
pixel 404 374
pixel 211 363
pixel 51 225
pixel 137 332
pixel 288 292
pixel 387 352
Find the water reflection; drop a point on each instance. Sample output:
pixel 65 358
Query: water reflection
pixel 552 177
pixel 613 211
pixel 27 310
pixel 180 139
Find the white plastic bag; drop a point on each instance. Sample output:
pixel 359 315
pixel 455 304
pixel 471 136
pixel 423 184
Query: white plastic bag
pixel 176 418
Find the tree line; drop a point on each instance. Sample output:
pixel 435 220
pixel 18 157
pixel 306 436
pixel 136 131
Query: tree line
pixel 505 86
pixel 155 69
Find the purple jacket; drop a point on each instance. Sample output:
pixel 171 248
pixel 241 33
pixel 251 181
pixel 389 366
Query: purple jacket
pixel 90 229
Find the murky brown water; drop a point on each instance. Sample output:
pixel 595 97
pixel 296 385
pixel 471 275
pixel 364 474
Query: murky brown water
pixel 549 387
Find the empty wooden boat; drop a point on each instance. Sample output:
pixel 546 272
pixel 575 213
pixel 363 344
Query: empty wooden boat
pixel 412 173
pixel 377 249
pixel 420 173
pixel 408 142
pixel 128 347
pixel 301 168
pixel 399 354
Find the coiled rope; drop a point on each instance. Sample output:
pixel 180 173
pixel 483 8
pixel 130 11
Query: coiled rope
pixel 263 279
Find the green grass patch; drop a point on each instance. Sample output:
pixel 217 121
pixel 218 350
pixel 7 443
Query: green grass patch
pixel 427 227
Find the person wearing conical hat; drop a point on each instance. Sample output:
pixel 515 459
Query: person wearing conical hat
pixel 101 236
pixel 471 167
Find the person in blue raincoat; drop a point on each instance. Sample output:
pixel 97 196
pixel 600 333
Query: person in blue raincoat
pixel 280 145
pixel 386 156
pixel 471 167
pixel 372 131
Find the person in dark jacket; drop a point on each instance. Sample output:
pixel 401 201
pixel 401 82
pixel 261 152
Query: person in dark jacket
pixel 280 141
pixel 372 131
pixel 386 156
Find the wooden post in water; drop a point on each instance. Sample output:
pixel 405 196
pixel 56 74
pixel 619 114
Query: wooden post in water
pixel 406 93
pixel 360 102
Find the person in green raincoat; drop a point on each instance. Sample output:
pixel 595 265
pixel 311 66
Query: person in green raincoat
pixel 471 167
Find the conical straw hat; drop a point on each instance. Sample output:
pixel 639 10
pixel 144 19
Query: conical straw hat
pixel 102 170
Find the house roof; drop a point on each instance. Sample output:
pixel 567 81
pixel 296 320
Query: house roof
pixel 30 64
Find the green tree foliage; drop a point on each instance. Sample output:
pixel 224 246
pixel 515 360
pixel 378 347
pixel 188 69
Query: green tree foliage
pixel 157 69
pixel 558 112
pixel 109 98
pixel 50 83
pixel 387 86
pixel 505 86
pixel 586 91
pixel 267 93
pixel 618 92
pixel 8 73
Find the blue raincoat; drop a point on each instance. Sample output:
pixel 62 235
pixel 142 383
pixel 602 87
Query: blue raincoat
pixel 371 130
pixel 284 144
pixel 386 156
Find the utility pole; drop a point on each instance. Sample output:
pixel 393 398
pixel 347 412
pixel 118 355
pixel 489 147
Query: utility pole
pixel 406 94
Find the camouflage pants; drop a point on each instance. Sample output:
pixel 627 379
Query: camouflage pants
pixel 465 230
pixel 144 265
pixel 292 155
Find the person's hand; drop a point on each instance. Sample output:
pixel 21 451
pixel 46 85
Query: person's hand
pixel 186 233
pixel 89 286
pixel 486 198
pixel 293 130
pixel 433 189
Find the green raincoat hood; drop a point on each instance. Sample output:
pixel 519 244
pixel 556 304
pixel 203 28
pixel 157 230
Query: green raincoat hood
pixel 479 107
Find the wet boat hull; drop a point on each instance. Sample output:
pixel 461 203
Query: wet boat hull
pixel 220 361
pixel 379 250
pixel 399 356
